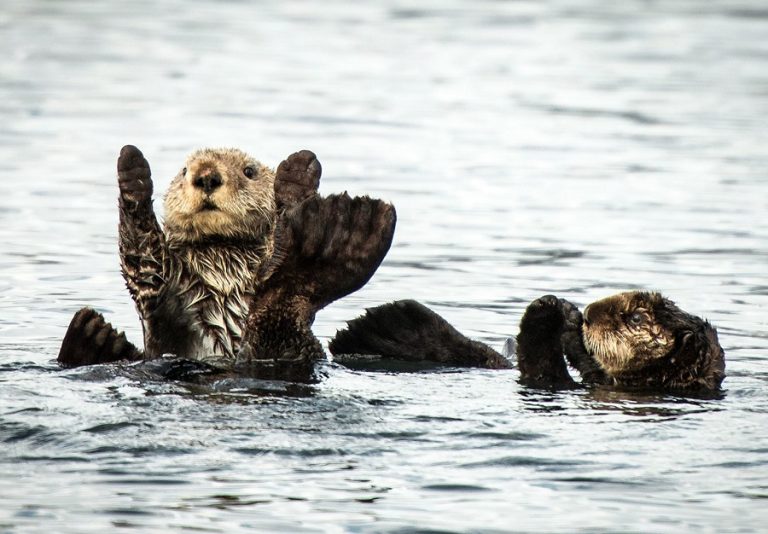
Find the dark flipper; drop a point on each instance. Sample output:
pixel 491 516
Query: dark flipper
pixel 573 346
pixel 408 331
pixel 90 340
pixel 539 346
pixel 325 248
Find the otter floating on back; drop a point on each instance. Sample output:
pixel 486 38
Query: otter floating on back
pixel 636 340
pixel 246 258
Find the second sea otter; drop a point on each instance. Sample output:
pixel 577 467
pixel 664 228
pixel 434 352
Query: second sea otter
pixel 636 340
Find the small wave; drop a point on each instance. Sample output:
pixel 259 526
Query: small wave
pixel 455 487
pixel 525 461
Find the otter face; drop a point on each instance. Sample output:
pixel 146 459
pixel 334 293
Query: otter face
pixel 220 193
pixel 627 332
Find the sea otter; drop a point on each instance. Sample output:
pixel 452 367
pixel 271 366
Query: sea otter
pixel 246 258
pixel 633 340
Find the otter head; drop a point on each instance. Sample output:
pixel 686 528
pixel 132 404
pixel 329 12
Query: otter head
pixel 629 331
pixel 220 194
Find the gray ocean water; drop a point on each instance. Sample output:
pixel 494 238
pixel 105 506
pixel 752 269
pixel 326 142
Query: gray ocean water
pixel 570 147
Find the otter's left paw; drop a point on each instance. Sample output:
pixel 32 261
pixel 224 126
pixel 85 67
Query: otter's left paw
pixel 543 318
pixel 297 178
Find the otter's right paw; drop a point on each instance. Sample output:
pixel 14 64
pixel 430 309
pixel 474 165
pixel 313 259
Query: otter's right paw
pixel 543 318
pixel 297 178
pixel 133 175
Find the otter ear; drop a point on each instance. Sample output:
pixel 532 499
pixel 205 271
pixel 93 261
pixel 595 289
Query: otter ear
pixel 296 179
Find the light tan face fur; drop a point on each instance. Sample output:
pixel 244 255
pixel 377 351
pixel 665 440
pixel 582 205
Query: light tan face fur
pixel 622 332
pixel 233 206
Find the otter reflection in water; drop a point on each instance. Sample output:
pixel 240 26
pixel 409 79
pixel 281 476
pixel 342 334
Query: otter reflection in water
pixel 246 258
pixel 631 340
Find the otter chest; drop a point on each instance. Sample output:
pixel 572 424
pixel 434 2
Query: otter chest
pixel 214 287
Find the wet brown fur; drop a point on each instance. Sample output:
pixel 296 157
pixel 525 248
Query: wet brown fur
pixel 193 282
pixel 241 209
pixel 642 339
pixel 636 339
pixel 407 334
pixel 240 241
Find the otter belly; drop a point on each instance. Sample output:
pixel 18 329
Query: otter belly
pixel 216 323
pixel 206 302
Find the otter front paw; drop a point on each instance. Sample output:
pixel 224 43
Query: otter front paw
pixel 571 338
pixel 540 351
pixel 297 178
pixel 573 346
pixel 543 318
pixel 133 175
pixel 572 316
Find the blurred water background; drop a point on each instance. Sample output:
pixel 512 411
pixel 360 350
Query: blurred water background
pixel 570 147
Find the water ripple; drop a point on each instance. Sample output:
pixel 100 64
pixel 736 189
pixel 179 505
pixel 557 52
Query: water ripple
pixel 575 148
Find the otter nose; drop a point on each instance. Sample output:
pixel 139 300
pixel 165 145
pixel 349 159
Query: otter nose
pixel 208 182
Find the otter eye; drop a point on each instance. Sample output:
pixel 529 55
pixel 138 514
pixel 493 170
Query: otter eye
pixel 184 171
pixel 636 318
pixel 249 172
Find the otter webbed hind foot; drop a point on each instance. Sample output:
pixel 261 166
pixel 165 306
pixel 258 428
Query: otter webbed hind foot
pixel 327 248
pixel 324 249
pixel 539 345
pixel 406 335
pixel 91 340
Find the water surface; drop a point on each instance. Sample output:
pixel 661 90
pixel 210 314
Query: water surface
pixel 575 148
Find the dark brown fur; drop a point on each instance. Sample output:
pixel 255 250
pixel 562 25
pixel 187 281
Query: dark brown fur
pixel 637 340
pixel 662 348
pixel 236 245
pixel 408 332
pixel 313 265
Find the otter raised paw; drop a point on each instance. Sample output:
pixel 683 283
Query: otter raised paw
pixel 296 179
pixel 539 344
pixel 133 175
